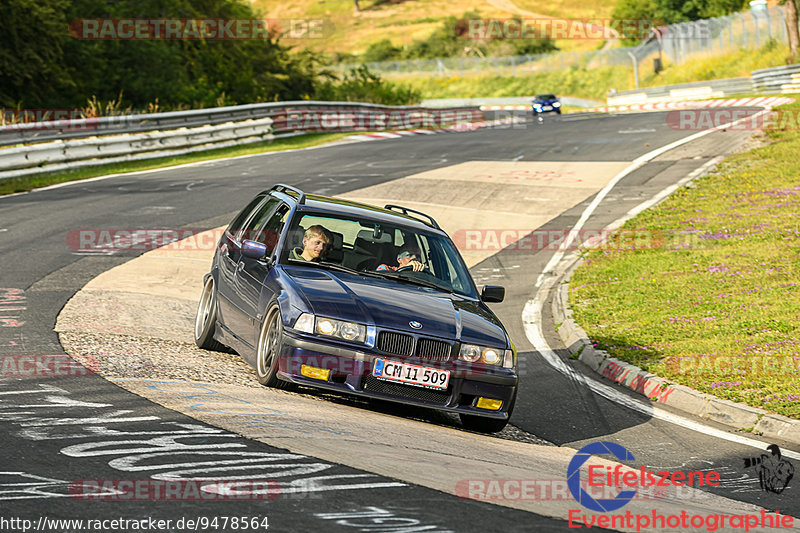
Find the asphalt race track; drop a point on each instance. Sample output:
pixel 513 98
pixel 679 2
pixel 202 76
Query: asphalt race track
pixel 59 433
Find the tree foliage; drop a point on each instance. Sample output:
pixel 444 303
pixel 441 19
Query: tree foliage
pixel 449 39
pixel 361 85
pixel 672 11
pixel 43 66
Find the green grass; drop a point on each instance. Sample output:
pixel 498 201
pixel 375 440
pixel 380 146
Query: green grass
pixel 707 296
pixel 403 21
pixel 27 183
pixel 595 83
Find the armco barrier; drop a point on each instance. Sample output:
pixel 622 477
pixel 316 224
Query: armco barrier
pixel 683 91
pixel 13 134
pixel 53 146
pixel 778 79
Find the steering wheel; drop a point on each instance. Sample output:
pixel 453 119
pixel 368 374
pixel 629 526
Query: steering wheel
pixel 410 268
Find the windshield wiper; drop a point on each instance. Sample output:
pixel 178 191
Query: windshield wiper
pixel 336 266
pixel 413 281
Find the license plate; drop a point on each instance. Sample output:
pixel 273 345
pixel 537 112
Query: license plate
pixel 419 376
pixel 548 108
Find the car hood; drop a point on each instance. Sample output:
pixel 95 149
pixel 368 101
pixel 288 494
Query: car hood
pixel 389 304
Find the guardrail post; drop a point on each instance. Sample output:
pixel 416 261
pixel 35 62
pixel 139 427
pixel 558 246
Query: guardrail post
pixel 769 23
pixel 744 30
pixel 783 24
pixel 730 29
pixel 755 24
pixel 635 69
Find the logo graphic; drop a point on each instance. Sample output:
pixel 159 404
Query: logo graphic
pixel 774 473
pixel 414 324
pixel 574 477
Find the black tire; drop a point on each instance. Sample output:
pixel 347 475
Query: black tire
pixel 205 323
pixel 270 341
pixel 487 425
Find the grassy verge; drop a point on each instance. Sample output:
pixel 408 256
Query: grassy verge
pixel 596 82
pixel 27 183
pixel 704 291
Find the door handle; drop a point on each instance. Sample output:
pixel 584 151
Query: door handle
pixel 240 266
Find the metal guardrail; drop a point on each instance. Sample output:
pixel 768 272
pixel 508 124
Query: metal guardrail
pixel 683 91
pixel 779 79
pixel 41 147
pixel 76 128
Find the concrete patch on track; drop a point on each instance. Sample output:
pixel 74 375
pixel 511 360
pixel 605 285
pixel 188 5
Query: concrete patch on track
pixel 494 195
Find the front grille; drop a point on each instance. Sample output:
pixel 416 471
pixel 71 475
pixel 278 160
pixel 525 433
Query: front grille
pixel 395 343
pixel 373 384
pixel 433 350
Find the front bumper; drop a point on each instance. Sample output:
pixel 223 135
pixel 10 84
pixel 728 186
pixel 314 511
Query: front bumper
pixel 351 373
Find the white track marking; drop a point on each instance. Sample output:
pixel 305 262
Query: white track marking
pixel 532 312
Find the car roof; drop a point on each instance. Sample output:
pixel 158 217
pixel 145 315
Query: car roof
pixel 318 204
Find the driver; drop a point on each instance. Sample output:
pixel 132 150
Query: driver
pixel 316 241
pixel 407 257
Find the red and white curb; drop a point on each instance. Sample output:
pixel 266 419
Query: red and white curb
pixel 515 107
pixel 456 128
pixel 761 101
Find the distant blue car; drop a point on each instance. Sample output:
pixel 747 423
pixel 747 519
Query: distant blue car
pixel 546 103
pixel 352 319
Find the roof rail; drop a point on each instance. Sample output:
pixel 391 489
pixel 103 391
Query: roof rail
pixel 282 187
pixel 406 211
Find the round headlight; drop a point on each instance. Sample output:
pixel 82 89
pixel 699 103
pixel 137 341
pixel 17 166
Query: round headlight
pixel 491 356
pixel 348 330
pixel 326 327
pixel 470 353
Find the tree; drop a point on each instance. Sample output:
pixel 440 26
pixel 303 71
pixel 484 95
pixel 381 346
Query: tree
pixel 791 26
pixel 32 69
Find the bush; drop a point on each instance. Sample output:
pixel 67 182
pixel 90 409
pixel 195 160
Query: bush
pixel 361 85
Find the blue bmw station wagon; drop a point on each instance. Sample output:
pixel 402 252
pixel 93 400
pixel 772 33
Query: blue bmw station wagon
pixel 369 301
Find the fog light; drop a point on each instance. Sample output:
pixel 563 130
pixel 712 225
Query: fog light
pixel 489 403
pixel 314 372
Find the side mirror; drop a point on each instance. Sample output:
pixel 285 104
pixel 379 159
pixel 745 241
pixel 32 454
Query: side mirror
pixel 253 249
pixel 493 293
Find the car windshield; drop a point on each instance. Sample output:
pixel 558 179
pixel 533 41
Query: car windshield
pixel 378 249
pixel 545 97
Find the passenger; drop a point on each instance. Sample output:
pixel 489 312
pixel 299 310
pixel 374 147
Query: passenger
pixel 316 242
pixel 407 257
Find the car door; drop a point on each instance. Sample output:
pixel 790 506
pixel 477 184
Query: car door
pixel 252 272
pixel 231 306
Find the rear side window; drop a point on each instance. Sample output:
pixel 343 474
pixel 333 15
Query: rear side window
pixel 258 219
pixel 269 233
pixel 238 222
